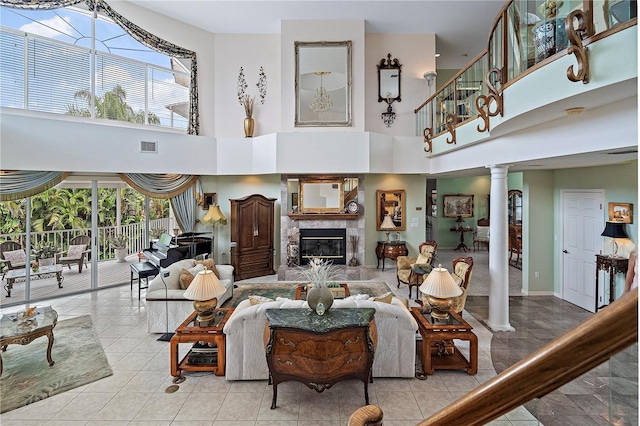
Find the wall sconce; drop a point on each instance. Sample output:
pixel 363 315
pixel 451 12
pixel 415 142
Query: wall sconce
pixel 389 116
pixel 389 71
pixel 430 76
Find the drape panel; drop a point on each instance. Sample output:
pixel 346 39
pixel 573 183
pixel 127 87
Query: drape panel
pixel 151 41
pixel 16 184
pixel 184 207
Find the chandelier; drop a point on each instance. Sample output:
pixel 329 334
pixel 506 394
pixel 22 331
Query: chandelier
pixel 321 101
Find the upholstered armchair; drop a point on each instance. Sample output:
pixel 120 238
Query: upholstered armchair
pixel 76 253
pixel 481 235
pixel 12 255
pixel 461 273
pixel 405 265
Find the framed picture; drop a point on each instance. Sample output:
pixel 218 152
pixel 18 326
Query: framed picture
pixel 621 212
pixel 209 200
pixel 458 205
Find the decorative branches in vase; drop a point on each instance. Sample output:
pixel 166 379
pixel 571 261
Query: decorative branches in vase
pixel 248 100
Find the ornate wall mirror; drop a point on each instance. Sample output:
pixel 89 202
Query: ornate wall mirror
pixel 391 203
pixel 321 196
pixel 389 71
pixel 323 83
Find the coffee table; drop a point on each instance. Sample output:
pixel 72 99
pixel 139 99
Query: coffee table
pixel 438 349
pixel 42 272
pixel 301 291
pixel 22 332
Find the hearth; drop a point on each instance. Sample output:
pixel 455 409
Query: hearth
pixel 324 243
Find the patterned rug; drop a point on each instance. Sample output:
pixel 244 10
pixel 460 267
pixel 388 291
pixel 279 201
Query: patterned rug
pixel 79 359
pixel 288 290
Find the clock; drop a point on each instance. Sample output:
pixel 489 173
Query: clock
pixel 353 207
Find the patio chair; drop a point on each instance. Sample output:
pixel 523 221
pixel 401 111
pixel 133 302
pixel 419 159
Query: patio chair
pixel 76 253
pixel 12 255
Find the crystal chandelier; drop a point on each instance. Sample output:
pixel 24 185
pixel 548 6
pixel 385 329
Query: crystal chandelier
pixel 321 101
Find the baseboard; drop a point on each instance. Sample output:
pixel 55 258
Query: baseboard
pixel 539 293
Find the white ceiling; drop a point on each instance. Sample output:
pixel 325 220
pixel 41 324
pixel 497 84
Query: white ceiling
pixel 461 27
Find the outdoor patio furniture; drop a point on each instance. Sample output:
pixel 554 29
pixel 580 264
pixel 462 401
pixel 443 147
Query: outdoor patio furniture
pixel 76 253
pixel 12 255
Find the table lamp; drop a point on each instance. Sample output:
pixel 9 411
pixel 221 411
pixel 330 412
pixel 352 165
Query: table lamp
pixel 204 291
pixel 439 287
pixel 614 230
pixel 387 226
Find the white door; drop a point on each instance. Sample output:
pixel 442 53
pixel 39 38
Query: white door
pixel 582 224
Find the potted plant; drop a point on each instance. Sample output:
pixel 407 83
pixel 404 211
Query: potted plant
pixel 45 253
pixel 119 244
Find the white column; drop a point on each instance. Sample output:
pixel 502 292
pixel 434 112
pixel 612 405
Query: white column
pixel 94 233
pixel 498 252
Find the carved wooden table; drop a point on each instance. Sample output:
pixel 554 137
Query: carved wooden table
pixel 612 265
pixel 22 332
pixel 390 250
pixel 462 245
pixel 438 349
pixel 319 350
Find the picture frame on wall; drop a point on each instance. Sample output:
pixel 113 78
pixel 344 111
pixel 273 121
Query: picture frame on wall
pixel 621 212
pixel 455 205
pixel 209 200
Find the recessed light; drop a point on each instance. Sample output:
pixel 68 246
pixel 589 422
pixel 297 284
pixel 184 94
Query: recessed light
pixel 574 111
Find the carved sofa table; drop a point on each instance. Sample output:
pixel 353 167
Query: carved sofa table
pixel 319 350
pixel 14 331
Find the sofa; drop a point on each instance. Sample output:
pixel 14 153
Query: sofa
pixel 395 350
pixel 160 298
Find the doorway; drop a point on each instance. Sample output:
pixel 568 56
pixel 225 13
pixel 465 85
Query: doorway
pixel 582 223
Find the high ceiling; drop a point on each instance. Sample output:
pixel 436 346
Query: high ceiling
pixel 461 27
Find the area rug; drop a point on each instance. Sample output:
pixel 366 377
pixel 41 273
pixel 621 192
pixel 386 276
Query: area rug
pixel 288 290
pixel 79 359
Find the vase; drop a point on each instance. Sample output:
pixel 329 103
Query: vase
pixel 322 295
pixel 121 254
pixel 249 124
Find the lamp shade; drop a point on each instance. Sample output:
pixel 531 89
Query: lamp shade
pixel 213 216
pixel 614 230
pixel 439 283
pixel 205 286
pixel 387 224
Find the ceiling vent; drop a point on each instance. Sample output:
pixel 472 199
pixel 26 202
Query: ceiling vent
pixel 149 147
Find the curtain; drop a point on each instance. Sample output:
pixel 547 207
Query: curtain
pixel 151 41
pixel 184 207
pixel 15 185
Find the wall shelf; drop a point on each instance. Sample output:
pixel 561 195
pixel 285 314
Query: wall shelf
pixel 323 216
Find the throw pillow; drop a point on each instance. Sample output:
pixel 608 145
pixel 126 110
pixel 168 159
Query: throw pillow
pixel 210 264
pixel 385 298
pixel 74 252
pixel 424 259
pixel 187 276
pixel 256 300
pixel 16 257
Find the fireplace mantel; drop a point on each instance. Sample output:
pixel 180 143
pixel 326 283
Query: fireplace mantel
pixel 323 216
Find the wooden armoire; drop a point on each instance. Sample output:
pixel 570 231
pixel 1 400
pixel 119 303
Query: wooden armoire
pixel 252 229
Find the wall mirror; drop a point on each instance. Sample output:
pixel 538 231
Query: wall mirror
pixel 391 203
pixel 323 83
pixel 389 71
pixel 321 196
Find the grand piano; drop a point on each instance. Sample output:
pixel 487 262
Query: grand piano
pixel 168 250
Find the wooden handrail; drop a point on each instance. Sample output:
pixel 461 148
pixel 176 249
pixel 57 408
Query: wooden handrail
pixel 566 358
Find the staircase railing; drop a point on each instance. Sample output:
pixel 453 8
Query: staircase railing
pixel 564 359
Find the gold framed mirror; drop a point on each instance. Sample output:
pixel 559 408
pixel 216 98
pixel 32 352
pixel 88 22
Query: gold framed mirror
pixel 392 203
pixel 321 196
pixel 323 83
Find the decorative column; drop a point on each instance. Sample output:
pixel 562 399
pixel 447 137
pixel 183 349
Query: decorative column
pixel 498 252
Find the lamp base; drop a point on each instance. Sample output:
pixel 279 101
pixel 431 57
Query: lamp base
pixel 205 310
pixel 439 307
pixel 387 241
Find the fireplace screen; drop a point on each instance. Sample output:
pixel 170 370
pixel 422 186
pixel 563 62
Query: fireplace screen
pixel 326 244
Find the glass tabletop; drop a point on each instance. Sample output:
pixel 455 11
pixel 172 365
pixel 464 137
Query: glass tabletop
pixel 12 325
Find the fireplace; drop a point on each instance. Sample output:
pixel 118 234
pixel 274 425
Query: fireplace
pixel 329 244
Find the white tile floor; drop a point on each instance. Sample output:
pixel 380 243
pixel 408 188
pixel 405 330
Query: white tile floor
pixel 135 394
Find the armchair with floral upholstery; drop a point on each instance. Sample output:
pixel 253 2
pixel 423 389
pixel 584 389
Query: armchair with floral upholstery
pixel 461 274
pixel 405 265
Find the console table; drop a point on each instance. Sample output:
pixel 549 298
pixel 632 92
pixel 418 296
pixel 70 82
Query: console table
pixel 319 350
pixel 612 265
pixel 390 250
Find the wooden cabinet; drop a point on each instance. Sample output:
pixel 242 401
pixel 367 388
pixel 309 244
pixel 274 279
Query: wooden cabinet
pixel 515 207
pixel 252 229
pixel 319 351
pixel 390 250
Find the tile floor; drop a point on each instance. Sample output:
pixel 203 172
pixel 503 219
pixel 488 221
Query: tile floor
pixel 135 394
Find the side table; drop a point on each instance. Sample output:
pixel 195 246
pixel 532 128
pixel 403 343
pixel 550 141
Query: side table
pixel 462 245
pixel 210 357
pixel 390 250
pixel 441 334
pixel 612 265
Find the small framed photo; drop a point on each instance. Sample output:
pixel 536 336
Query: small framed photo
pixel 621 212
pixel 458 205
pixel 209 200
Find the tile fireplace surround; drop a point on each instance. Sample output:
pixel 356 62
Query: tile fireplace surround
pixel 352 226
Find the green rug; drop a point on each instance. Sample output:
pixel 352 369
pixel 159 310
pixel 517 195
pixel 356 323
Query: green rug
pixel 288 290
pixel 79 359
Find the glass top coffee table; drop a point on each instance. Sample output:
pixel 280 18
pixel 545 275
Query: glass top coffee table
pixel 41 272
pixel 17 330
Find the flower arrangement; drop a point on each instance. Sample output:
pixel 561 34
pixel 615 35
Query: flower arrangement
pixel 320 273
pixel 45 250
pixel 118 241
pixel 247 100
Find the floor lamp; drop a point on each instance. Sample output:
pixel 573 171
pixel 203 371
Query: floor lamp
pixel 213 217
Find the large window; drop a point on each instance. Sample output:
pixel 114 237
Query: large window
pixel 47 65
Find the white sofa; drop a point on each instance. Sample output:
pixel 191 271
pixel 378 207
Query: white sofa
pixel 160 298
pixel 394 355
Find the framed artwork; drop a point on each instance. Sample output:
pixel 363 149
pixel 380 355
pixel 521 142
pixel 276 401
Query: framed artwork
pixel 209 200
pixel 621 212
pixel 391 203
pixel 458 205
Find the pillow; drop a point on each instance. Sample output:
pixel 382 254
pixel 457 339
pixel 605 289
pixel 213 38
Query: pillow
pixel 257 300
pixel 75 252
pixel 16 257
pixel 385 298
pixel 210 264
pixel 424 259
pixel 358 297
pixel 187 275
